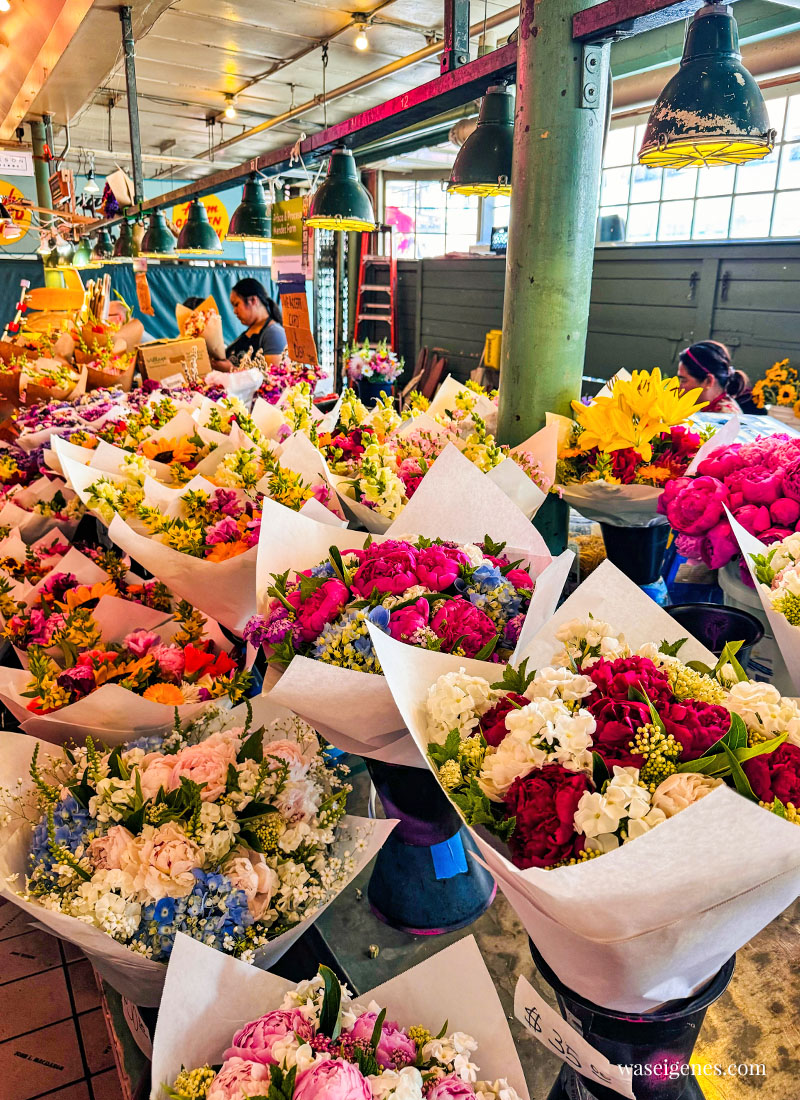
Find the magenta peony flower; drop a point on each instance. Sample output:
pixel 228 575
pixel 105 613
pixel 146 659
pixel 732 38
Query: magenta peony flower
pixel 693 505
pixel 78 681
pixel 690 546
pixel 784 512
pixel 790 482
pixel 405 623
pixel 755 518
pixel 395 1049
pixel 393 571
pixel 332 1079
pixel 170 660
pixel 695 725
pixel 458 623
pixel 723 462
pixel 760 485
pixel 140 642
pixel 255 1040
pixel 520 578
pixel 774 534
pixel 720 546
pixel 437 566
pixel 322 606
pixel 614 679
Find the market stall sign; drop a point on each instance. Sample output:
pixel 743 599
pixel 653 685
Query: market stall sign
pixel 292 248
pixel 20 214
pixel 297 324
pixel 215 208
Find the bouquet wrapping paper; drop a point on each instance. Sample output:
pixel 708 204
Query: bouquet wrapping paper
pixel 655 919
pixel 208 996
pixel 139 979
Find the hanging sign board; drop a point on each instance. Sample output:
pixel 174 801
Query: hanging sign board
pixel 292 246
pixel 296 322
pixel 16 164
pixel 20 214
pixel 216 210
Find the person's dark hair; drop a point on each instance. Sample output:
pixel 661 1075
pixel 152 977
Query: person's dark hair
pixel 193 302
pixel 252 288
pixel 710 357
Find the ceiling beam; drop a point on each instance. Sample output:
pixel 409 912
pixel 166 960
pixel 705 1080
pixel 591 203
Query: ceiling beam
pixel 615 19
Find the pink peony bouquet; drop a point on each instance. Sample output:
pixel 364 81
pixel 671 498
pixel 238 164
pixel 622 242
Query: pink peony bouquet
pixel 758 483
pixel 429 1034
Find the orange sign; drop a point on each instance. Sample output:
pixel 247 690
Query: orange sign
pixel 216 210
pixel 20 214
pixel 299 338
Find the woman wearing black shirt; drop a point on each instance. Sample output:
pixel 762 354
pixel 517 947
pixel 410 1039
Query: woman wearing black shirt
pixel 262 319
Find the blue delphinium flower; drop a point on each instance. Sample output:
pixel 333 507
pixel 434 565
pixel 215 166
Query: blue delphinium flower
pixel 147 744
pixel 72 822
pixel 325 569
pixel 379 616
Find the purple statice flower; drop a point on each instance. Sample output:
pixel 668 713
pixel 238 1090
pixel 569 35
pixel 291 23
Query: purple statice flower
pixel 513 630
pixel 78 681
pixel 225 530
pixel 266 630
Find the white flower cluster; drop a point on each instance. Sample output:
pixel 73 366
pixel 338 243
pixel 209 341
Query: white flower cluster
pixel 764 710
pixel 457 701
pixel 586 641
pixel 622 813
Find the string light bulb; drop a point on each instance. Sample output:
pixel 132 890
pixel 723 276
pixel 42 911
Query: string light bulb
pixel 361 42
pixel 230 107
pixel 5 5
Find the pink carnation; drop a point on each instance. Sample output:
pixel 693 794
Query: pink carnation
pixel 140 642
pixel 170 660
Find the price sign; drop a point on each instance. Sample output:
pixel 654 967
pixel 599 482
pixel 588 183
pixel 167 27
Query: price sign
pixel 302 348
pixel 554 1033
pixel 138 1028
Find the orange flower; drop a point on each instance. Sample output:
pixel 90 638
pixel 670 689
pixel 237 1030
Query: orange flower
pixel 167 694
pixel 169 450
pixel 225 550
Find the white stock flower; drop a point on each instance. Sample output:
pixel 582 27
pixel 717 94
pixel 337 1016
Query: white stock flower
pixel 682 789
pixel 559 683
pixel 456 701
pixel 764 710
pixel 622 812
pixel 786 553
pixel 495 1090
pixel 391 1085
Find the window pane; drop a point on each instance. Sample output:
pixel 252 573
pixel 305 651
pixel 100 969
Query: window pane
pixel 608 228
pixel 646 186
pixel 459 242
pixel 430 193
pixel 675 223
pixel 430 221
pixel 758 175
pixel 615 186
pixel 716 181
pixel 619 147
pixel 777 111
pixel 501 211
pixel 430 244
pixel 711 217
pixel 792 129
pixel 786 218
pixel 638 138
pixel 751 215
pixel 789 174
pixel 679 183
pixel 463 218
pixel 642 222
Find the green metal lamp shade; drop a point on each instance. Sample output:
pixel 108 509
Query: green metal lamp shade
pixel 125 250
pixel 252 219
pixel 483 164
pixel 83 254
pixel 341 201
pixel 104 247
pixel 158 239
pixel 198 234
pixel 712 111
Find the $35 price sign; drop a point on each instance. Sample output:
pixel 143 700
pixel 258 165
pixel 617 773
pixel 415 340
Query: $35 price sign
pixel 565 1042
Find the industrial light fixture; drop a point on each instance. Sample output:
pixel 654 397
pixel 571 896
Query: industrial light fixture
pixel 104 247
pixel 712 111
pixel 251 220
pixel 83 254
pixel 61 253
pixel 5 5
pixel 46 244
pixel 483 164
pixel 230 107
pixel 91 187
pixel 158 239
pixel 341 201
pixel 125 250
pixel 362 42
pixel 198 234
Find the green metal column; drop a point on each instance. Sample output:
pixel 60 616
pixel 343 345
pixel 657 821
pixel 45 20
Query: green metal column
pixel 555 188
pixel 41 170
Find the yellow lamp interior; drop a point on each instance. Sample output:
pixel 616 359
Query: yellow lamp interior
pixel 323 221
pixel 484 190
pixel 694 152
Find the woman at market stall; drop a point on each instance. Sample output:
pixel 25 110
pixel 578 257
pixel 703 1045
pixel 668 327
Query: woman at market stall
pixel 263 323
pixel 707 365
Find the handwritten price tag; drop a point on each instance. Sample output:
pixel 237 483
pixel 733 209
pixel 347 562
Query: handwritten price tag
pixel 138 1028
pixel 565 1042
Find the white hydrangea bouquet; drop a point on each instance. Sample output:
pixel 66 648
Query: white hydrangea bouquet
pixel 437 1032
pixel 619 746
pixel 233 834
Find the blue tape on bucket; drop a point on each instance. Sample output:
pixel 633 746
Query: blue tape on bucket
pixel 449 858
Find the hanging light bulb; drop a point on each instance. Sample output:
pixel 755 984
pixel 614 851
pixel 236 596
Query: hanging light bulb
pixel 361 42
pixel 341 201
pixel 483 164
pixel 91 187
pixel 251 220
pixel 158 239
pixel 125 250
pixel 230 107
pixel 198 234
pixel 5 5
pixel 712 111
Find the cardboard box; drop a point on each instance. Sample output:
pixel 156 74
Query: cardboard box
pixel 165 360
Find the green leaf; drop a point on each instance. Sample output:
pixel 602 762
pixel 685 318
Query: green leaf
pixel 515 679
pixel 701 667
pixel 762 747
pixel 672 649
pixel 377 1030
pixel 253 747
pixel 485 652
pixel 82 792
pixel 440 754
pixel 778 807
pixel 443 1031
pixel 493 549
pixel 330 1017
pixel 309 585
pixel 736 737
pixel 740 780
pixel 600 772
pixel 231 780
pixel 117 768
pixel 728 657
pixel 335 555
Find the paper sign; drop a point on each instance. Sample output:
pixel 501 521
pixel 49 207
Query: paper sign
pixel 302 348
pixel 554 1033
pixel 138 1028
pixel 16 164
pixel 21 215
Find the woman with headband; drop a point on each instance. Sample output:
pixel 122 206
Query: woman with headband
pixel 707 365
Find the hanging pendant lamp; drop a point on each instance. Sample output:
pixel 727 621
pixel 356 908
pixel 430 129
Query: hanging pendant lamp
pixel 198 234
pixel 104 247
pixel 252 218
pixel 483 164
pixel 712 111
pixel 341 201
pixel 125 250
pixel 83 254
pixel 158 239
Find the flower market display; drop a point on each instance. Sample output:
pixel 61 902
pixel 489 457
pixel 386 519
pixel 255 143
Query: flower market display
pixel 281 376
pixel 608 762
pixel 204 321
pixel 436 1031
pixel 378 366
pixel 758 483
pixel 625 445
pixel 779 388
pixel 231 833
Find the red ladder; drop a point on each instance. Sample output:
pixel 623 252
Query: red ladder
pixel 377 278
